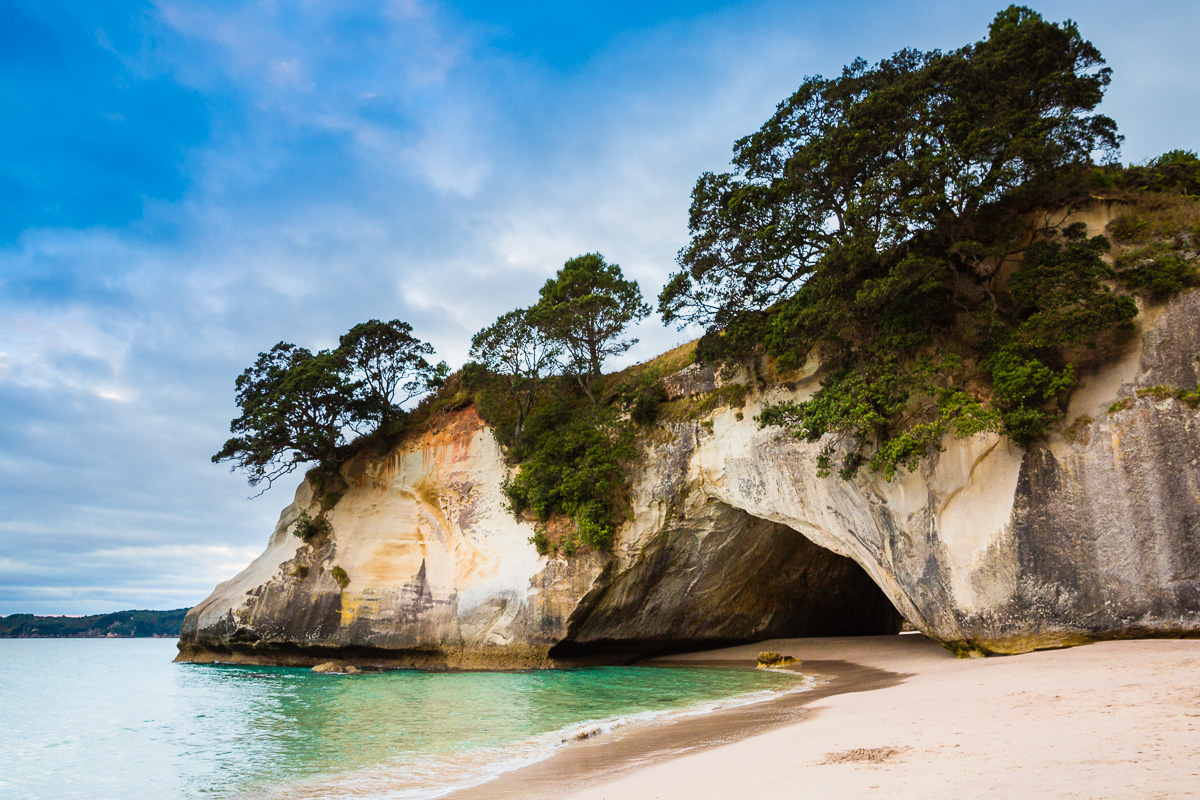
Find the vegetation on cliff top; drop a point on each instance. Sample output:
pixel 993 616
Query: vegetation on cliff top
pixel 907 222
pixel 875 219
pixel 535 373
pixel 297 406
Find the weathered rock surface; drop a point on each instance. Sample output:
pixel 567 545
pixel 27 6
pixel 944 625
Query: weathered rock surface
pixel 440 574
pixel 988 548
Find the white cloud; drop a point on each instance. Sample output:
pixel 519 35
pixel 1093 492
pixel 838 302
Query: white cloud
pixel 420 173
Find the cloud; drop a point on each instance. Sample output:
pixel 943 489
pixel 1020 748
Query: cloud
pixel 318 164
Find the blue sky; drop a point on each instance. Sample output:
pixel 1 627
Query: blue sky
pixel 185 183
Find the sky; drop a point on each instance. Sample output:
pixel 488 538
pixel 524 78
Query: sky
pixel 185 183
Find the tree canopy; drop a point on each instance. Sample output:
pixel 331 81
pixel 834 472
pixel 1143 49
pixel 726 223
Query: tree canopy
pixel 391 366
pixel 298 405
pixel 883 160
pixel 869 219
pixel 518 349
pixel 587 306
pixel 295 406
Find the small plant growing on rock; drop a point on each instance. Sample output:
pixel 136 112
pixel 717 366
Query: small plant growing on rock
pixel 1077 428
pixel 1189 396
pixel 1159 393
pixel 308 527
pixel 540 540
pixel 339 575
pixel 1120 405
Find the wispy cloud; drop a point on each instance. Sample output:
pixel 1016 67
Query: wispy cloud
pixel 189 182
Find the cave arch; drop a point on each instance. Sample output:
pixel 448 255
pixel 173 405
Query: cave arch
pixel 719 578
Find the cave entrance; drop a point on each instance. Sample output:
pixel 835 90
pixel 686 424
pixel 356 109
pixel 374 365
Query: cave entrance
pixel 718 577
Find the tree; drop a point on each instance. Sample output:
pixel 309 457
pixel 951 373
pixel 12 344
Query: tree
pixel 881 159
pixel 587 306
pixel 869 217
pixel 295 406
pixel 517 348
pixel 391 366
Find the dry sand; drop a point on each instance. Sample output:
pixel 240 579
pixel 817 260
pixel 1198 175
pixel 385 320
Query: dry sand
pixel 899 717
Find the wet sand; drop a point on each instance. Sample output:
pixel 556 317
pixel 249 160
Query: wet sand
pixel 900 717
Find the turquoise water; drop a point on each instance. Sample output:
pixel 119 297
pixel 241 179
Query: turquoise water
pixel 114 718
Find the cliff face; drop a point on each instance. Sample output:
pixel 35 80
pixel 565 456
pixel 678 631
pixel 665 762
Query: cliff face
pixel 1093 533
pixel 440 574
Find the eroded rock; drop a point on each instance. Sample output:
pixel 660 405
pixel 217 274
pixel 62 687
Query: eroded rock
pixel 988 548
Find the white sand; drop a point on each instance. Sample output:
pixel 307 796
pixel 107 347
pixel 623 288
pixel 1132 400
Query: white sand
pixel 1109 720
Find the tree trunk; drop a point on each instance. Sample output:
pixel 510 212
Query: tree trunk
pixel 583 384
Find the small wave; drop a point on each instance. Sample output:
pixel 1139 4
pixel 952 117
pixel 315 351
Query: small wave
pixel 429 777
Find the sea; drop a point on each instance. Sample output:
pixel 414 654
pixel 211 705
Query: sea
pixel 115 718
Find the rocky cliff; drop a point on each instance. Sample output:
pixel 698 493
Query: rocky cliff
pixel 1091 533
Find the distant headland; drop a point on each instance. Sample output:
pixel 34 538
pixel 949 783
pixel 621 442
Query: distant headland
pixel 118 625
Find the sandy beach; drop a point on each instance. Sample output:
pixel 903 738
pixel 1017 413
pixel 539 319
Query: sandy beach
pixel 900 717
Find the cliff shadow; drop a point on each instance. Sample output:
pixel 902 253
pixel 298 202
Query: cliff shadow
pixel 718 578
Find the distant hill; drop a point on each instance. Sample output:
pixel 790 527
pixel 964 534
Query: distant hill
pixel 118 624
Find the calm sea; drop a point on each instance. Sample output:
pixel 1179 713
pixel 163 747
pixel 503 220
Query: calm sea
pixel 114 718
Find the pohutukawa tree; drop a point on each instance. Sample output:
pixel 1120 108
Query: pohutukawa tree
pixel 391 366
pixel 587 306
pixel 295 406
pixel 868 217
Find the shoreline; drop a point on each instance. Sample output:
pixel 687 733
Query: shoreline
pixel 900 716
pixel 586 763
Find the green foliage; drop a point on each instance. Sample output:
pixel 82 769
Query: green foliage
pixel 852 172
pixel 687 409
pixel 540 540
pixel 308 527
pixel 891 397
pixel 1159 393
pixel 339 575
pixel 1174 172
pixel 571 466
pixel 1189 396
pixel 570 447
pixel 391 368
pixel 871 220
pixel 519 352
pixel 642 395
pixel 1057 299
pixel 1157 270
pixel 296 405
pixel 903 413
pixel 587 306
pixel 1129 228
pixel 1120 405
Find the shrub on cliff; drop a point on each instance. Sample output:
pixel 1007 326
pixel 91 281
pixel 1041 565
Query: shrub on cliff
pixel 571 466
pixel 532 374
